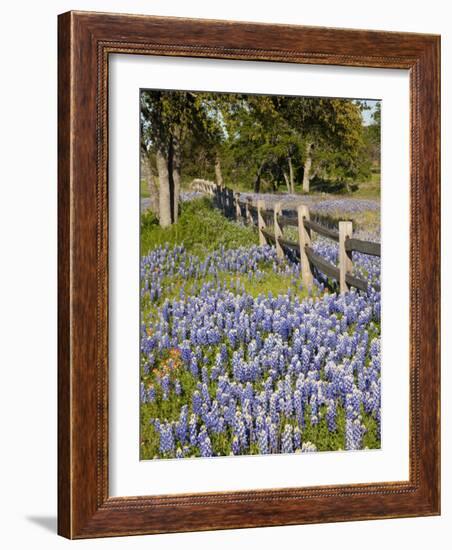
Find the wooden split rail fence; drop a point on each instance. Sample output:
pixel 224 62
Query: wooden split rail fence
pixel 265 217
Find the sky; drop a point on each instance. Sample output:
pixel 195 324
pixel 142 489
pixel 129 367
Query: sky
pixel 367 115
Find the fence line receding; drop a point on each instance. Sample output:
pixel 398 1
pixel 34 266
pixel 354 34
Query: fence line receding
pixel 264 216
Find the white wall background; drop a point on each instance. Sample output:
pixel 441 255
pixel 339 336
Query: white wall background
pixel 28 236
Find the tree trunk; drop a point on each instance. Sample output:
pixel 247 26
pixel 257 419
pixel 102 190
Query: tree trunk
pixel 307 168
pixel 164 189
pixel 218 174
pixel 176 176
pixel 314 172
pixel 286 179
pixel 257 180
pixel 257 183
pixel 152 187
pixel 291 176
pixel 274 184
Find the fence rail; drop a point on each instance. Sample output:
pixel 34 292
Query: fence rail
pixel 268 236
pixel 286 221
pixel 294 247
pixel 322 230
pixel 263 216
pixel 365 247
pixel 323 265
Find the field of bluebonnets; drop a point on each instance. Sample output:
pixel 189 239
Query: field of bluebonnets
pixel 237 356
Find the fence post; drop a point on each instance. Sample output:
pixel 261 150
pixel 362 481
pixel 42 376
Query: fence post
pixel 261 222
pixel 224 194
pixel 230 202
pixel 249 219
pixel 345 257
pixel 278 230
pixel 226 201
pixel 304 240
pixel 238 209
pixel 223 200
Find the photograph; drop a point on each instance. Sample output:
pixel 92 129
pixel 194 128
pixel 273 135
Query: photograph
pixel 259 274
pixel 224 236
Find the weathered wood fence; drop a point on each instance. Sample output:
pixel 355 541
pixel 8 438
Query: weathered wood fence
pixel 266 217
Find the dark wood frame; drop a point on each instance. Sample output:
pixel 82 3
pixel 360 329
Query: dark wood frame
pixel 84 44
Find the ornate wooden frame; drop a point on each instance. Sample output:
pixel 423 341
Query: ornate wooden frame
pixel 85 42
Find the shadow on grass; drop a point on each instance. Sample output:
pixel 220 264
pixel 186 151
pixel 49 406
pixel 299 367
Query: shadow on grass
pixel 333 187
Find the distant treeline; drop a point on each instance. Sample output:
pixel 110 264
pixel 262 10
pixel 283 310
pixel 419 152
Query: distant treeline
pixel 257 142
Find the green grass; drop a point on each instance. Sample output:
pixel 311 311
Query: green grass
pixel 201 229
pixel 369 189
pixel 270 282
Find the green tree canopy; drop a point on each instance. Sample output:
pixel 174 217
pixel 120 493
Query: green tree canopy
pixel 256 140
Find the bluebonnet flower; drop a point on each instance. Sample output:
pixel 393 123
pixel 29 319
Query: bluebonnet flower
pixel 196 402
pixel 205 445
pixel 314 409
pixel 288 406
pixel 235 446
pixel 181 425
pixel 194 366
pixel 165 386
pixel 240 430
pixel 232 335
pixel 273 437
pixel 193 430
pixel 205 394
pixel 249 359
pixel 205 375
pixel 358 432
pixel 297 438
pixel 331 415
pixel 143 393
pixel 349 434
pixel 308 447
pixel 166 439
pixel 263 442
pixel 305 359
pixel 186 353
pixel 223 354
pixel 286 440
pixel 298 406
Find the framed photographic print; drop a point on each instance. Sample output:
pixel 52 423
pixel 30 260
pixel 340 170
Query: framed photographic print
pixel 248 275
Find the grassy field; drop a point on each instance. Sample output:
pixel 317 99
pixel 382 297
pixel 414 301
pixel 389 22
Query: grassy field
pixel 201 229
pixel 369 189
